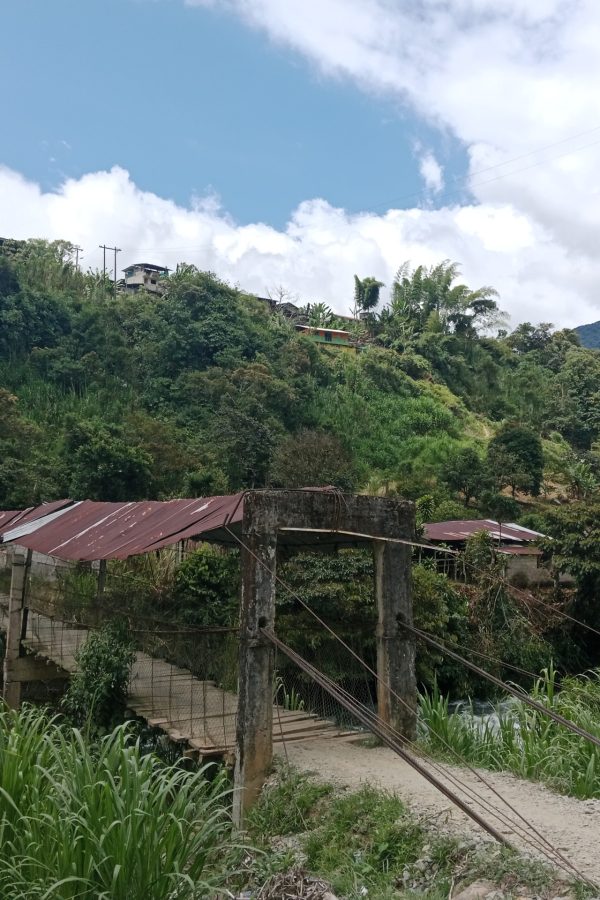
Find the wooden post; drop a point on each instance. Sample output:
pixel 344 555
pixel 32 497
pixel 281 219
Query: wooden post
pixel 12 688
pixel 395 646
pixel 101 578
pixel 254 751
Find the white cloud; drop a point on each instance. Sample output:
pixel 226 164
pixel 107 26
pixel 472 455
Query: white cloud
pixel 505 77
pixel 319 250
pixel 431 172
pixel 514 80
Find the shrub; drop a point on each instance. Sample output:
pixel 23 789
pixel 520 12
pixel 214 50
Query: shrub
pixel 206 588
pixel 97 691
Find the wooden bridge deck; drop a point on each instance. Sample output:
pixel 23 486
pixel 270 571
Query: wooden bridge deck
pixel 190 711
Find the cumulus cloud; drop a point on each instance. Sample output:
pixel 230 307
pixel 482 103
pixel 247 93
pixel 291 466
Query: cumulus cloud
pixel 513 80
pixel 319 250
pixel 431 172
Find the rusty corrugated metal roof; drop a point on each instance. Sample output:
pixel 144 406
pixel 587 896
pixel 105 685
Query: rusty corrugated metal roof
pixel 92 530
pixel 14 517
pixel 458 530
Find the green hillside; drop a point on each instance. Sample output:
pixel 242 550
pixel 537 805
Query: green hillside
pixel 207 390
pixel 589 335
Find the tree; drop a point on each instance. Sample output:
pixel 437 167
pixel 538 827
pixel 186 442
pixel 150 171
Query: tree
pixel 573 543
pixel 428 299
pixel 103 466
pixel 515 458
pixel 319 315
pixel 465 472
pixel 366 294
pixel 312 459
pixel 527 337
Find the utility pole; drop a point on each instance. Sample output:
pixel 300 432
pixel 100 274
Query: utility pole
pixel 115 250
pixel 103 247
pixel 77 252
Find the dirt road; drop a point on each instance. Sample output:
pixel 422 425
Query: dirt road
pixel 572 826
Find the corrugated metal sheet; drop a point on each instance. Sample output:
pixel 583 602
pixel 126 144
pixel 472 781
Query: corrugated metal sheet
pixel 7 516
pixel 529 550
pixel 12 518
pixel 90 530
pixel 459 530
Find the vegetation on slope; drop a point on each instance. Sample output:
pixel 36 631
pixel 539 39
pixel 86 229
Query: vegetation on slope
pixel 523 740
pixel 205 390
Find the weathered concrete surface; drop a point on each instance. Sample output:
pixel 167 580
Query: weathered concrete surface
pixel 12 686
pixel 266 513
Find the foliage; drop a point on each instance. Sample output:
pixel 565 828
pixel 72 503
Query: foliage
pixel 206 589
pixel 312 458
pixel 366 843
pixel 98 822
pixel 522 740
pixel 465 472
pixel 97 691
pixel 516 459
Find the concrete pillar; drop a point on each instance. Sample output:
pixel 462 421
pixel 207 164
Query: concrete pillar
pixel 395 646
pixel 12 688
pixel 254 752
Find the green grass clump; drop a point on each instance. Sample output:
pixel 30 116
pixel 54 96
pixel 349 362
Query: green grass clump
pixel 525 741
pixel 286 804
pixel 365 839
pixel 104 821
pixel 355 840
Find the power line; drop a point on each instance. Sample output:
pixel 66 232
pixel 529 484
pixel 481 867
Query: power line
pixel 466 180
pixel 115 250
pixel 386 684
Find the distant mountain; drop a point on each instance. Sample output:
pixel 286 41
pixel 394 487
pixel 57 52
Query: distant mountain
pixel 589 335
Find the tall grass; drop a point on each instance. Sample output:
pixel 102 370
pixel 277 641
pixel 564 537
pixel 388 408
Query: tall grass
pixel 104 822
pixel 522 740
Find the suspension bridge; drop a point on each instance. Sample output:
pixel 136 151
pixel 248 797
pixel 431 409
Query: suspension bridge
pixel 191 711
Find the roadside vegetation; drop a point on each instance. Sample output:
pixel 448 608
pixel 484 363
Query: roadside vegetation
pixel 516 738
pixel 366 843
pixel 101 820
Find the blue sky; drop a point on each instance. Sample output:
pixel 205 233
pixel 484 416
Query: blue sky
pixel 333 132
pixel 190 101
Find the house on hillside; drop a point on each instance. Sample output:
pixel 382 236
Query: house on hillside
pixel 330 337
pixel 144 276
pixel 515 543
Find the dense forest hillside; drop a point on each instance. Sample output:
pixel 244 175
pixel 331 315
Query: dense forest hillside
pixel 204 389
pixel 589 335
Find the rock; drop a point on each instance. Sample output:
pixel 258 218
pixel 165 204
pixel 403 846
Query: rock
pixel 478 890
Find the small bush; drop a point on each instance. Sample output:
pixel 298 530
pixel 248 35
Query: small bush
pixel 97 691
pixel 206 588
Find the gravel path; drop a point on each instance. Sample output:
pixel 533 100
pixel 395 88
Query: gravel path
pixel 572 826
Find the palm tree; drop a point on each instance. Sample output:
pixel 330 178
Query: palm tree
pixel 427 299
pixel 366 294
pixel 319 315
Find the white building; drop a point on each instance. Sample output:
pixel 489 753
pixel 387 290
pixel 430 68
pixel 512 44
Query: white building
pixel 145 277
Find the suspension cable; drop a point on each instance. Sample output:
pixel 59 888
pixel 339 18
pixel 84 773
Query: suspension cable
pixel 390 737
pixel 386 684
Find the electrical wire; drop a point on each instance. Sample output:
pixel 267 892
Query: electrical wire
pixel 463 762
pixel 390 737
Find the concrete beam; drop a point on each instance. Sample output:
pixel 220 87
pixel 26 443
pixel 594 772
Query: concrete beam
pixel 12 687
pixel 265 513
